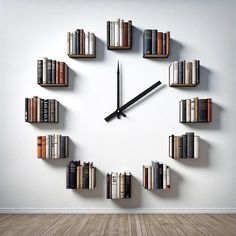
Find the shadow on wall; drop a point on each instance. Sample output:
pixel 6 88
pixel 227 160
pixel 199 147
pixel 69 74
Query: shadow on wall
pixel 97 192
pixel 173 192
pixel 202 161
pixel 135 200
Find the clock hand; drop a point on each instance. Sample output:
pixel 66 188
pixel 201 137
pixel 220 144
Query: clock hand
pixel 132 101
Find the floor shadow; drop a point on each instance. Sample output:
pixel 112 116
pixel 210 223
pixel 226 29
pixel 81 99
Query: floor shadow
pixel 97 192
pixel 135 200
pixel 173 192
pixel 202 161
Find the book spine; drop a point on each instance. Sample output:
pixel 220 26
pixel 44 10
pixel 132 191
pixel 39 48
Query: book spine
pixel 121 32
pixel 63 147
pixel 164 43
pixel 196 147
pixel 203 111
pixel 39 149
pixel 196 109
pixel 108 33
pixel 41 110
pixel 184 138
pixel 198 72
pixel 171 74
pixel 167 177
pixel 56 144
pixel 72 174
pixel 29 114
pixel 78 177
pixel 154 41
pixel 47 146
pixel 40 71
pixel 209 109
pixel 85 176
pixel 114 185
pixel 194 72
pixel 77 41
pixel 118 186
pixel 180 78
pixel 26 110
pixel 188 110
pixel 74 40
pixel 168 43
pixel 81 42
pixel 160 43
pixel 53 146
pixel 61 72
pixel 52 110
pixel 125 35
pixel 160 184
pixel 130 33
pixel 38 109
pixel 67 177
pixel 117 32
pixel 45 110
pixel 147 41
pixel 86 45
pixel 184 110
pixel 187 73
pixel 68 42
pixel 35 99
pixel 181 111
pixel 190 145
pixel 112 33
pixel 170 147
pixel 149 177
pixel 128 185
pixel 49 72
pixel 176 72
pixel 179 147
pixel 45 70
pixel 190 72
pixel 43 147
pixel 31 109
pixel 53 71
pixel 92 44
pixel 192 110
pixel 164 177
pixel 175 147
pixel 108 186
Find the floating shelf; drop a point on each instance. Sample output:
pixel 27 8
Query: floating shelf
pixel 81 56
pixel 183 85
pixel 119 47
pixel 80 176
pixel 156 176
pixel 155 56
pixel 119 185
pixel 186 146
pixel 53 85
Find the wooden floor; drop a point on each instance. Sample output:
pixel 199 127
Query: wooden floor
pixel 118 224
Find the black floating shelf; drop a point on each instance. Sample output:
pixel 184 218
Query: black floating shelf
pixel 119 47
pixel 53 85
pixel 183 85
pixel 82 55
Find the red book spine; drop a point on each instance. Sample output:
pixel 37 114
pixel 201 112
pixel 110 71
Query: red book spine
pixel 39 151
pixel 168 42
pixel 35 109
pixel 125 34
pixel 43 147
pixel 57 72
pixel 159 43
pixel 61 73
pixel 209 109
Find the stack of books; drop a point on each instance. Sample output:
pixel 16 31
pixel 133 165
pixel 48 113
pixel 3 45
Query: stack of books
pixel 185 146
pixel 195 110
pixel 41 110
pixel 80 176
pixel 184 73
pixel 52 73
pixel 53 146
pixel 118 185
pixel 81 43
pixel 156 43
pixel 156 176
pixel 119 34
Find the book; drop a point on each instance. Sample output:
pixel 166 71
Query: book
pixel 180 76
pixel 108 186
pixel 203 111
pixel 154 42
pixel 167 177
pixel 77 32
pixel 190 144
pixel 168 42
pixel 108 32
pixel 192 119
pixel 164 44
pixel 117 32
pixel 129 33
pixel 127 185
pixel 188 110
pixel 86 43
pixel 49 71
pixel 39 71
pixel 121 33
pixel 209 109
pixel 68 42
pixel 160 177
pixel 39 147
pixel 114 185
pixel 179 144
pixel 176 72
pixel 160 43
pixel 45 70
pixel 147 41
pixel 184 140
pixel 125 34
pixel 196 147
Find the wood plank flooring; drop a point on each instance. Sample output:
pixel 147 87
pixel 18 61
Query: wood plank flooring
pixel 118 224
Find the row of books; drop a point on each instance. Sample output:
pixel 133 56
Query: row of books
pixel 118 185
pixel 80 176
pixel 52 146
pixel 156 176
pixel 81 43
pixel 155 42
pixel 182 72
pixel 195 110
pixel 51 72
pixel 185 146
pixel 119 33
pixel 41 110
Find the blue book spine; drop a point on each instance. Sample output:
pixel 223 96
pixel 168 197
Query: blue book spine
pixel 154 41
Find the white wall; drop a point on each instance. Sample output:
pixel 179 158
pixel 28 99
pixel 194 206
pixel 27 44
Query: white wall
pixel 200 29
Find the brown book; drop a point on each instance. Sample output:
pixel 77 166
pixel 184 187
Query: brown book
pixel 78 177
pixel 168 42
pixel 145 175
pixel 35 109
pixel 61 72
pixel 43 147
pixel 159 43
pixel 57 72
pixel 125 34
pixel 196 107
pixel 81 177
pixel 83 42
pixel 39 146
pixel 179 147
pixel 209 109
pixel 66 75
pixel 130 33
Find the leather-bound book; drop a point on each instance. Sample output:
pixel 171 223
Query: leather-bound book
pixel 81 42
pixel 108 33
pixel 108 186
pixel 86 175
pixel 40 71
pixel 154 42
pixel 160 43
pixel 179 147
pixel 43 147
pixel 61 72
pixel 127 185
pixel 168 42
pixel 160 177
pixel 125 34
pixel 184 138
pixel 147 42
pixel 53 71
pixel 164 43
pixel 35 108
pixel 203 111
pixel 130 33
pixel 39 146
pixel 190 144
pixel 49 71
pixel 209 109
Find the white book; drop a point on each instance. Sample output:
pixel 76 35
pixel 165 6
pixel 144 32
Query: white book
pixel 53 145
pixel 187 73
pixel 117 32
pixel 196 147
pixel 112 33
pixel 170 147
pixel 176 72
pixel 171 73
pixel 91 44
pixel 38 109
pixel 164 176
pixel 149 177
pixel 45 61
pixel 121 32
pixel 113 185
pixel 188 110
pixel 118 187
pixel 56 110
pixel 168 177
pixel 180 111
pixel 192 110
pixel 47 146
pixel 92 179
pixel 71 43
pixel 68 42
pixel 59 146
pixel 152 183
pixel 86 43
pixel 194 72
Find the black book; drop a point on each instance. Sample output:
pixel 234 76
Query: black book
pixel 40 71
pixel 155 166
pixel 203 111
pixel 108 33
pixel 49 71
pixel 183 111
pixel 164 44
pixel 190 145
pixel 86 175
pixel 127 185
pixel 198 71
pixel 154 41
pixel 108 186
pixel 41 110
pixel 77 41
pixel 184 64
pixel 26 109
pixel 73 174
pixel 45 110
pixel 53 71
pixel 160 177
pixel 62 147
pixel 147 41
pixel 66 146
pixel 67 177
pixel 184 137
pixel 52 110
pixel 181 77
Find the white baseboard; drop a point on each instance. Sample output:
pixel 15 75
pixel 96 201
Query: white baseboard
pixel 117 211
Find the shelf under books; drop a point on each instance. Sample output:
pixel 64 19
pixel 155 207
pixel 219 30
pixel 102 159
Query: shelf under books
pixel 156 44
pixel 38 110
pixel 52 73
pixel 186 146
pixel 52 146
pixel 184 74
pixel 195 110
pixel 119 35
pixel 81 44
pixel 80 176
pixel 156 176
pixel 118 185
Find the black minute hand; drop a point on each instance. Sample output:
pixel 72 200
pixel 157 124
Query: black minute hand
pixel 132 101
